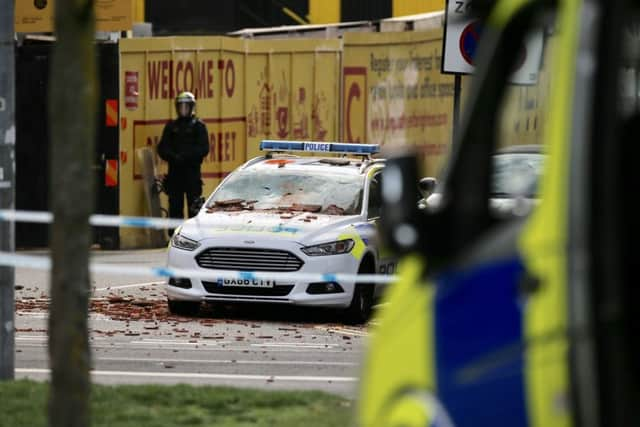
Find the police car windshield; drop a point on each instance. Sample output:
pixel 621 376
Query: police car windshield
pixel 279 190
pixel 516 174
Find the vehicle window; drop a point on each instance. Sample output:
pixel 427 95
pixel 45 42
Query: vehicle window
pixel 629 89
pixel 521 124
pixel 282 190
pixel 375 197
pixel 516 174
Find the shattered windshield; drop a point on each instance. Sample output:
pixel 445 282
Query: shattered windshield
pixel 281 190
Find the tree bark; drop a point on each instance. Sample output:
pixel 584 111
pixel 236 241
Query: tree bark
pixel 72 110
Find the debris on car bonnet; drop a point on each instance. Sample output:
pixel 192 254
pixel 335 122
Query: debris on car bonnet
pixel 231 205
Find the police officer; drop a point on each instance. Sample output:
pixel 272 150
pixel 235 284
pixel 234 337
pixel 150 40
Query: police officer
pixel 184 144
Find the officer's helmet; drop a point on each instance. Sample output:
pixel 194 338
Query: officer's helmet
pixel 185 104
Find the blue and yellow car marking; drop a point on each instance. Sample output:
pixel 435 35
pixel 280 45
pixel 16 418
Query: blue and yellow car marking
pixel 489 354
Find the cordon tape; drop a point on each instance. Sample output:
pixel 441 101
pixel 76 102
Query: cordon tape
pixel 8 259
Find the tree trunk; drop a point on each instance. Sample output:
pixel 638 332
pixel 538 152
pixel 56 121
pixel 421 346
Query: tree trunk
pixel 72 117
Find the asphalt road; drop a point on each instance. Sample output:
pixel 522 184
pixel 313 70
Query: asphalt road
pixel 135 340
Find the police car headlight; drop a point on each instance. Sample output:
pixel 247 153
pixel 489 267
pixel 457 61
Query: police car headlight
pixel 181 242
pixel 333 248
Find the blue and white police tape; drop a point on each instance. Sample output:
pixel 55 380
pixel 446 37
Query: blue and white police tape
pixel 9 259
pixel 41 217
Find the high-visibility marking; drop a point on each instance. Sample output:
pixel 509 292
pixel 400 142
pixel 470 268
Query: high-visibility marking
pixel 111 173
pixel 111 113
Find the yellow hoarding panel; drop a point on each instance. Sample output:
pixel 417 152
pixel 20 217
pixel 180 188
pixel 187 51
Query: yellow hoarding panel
pixel 394 93
pixel 292 90
pixel 522 117
pixel 325 99
pixel 324 11
pixel 152 73
pixel 37 16
pixel 114 15
pixel 137 10
pixel 412 7
pixel 246 91
pixel 33 16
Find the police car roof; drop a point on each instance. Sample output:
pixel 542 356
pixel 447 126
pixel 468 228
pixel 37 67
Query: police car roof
pixel 333 165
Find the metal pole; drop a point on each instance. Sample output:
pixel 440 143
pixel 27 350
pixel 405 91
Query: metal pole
pixel 7 185
pixel 457 87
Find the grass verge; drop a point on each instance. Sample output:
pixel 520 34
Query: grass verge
pixel 23 403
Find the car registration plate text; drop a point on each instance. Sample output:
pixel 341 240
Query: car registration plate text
pixel 246 283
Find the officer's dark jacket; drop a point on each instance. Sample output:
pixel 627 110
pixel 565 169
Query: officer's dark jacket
pixel 184 144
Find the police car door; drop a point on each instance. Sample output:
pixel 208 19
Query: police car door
pixel 499 349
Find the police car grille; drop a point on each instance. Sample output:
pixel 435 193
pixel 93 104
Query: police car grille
pixel 277 291
pixel 248 259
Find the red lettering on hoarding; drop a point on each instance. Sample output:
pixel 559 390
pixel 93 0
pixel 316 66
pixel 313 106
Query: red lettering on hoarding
pixel 179 70
pixel 188 71
pixel 165 79
pixel 354 112
pixel 230 78
pixel 222 147
pixel 172 93
pixel 168 78
pixel 283 122
pixel 154 79
pixel 209 78
pixel 411 121
pixel 354 92
pixel 223 151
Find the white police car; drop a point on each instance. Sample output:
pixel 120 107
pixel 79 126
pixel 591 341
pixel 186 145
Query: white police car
pixel 285 215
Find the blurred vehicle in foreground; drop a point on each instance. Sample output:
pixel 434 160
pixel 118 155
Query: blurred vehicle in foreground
pixel 516 175
pixel 522 320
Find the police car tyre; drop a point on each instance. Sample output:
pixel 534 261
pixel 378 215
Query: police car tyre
pixel 359 310
pixel 184 308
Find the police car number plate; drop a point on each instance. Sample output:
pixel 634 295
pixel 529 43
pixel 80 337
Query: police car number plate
pixel 244 283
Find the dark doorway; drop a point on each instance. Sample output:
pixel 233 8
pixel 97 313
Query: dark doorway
pixel 33 142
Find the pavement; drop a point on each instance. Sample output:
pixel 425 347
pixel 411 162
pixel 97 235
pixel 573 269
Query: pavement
pixel 135 340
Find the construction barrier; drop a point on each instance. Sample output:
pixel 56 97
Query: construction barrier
pixel 383 88
pixel 246 90
pixel 394 93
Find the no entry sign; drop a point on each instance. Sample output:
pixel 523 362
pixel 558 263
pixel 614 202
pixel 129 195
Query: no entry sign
pixel 461 39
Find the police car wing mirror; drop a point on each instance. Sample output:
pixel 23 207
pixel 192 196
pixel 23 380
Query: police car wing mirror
pixel 427 186
pixel 400 217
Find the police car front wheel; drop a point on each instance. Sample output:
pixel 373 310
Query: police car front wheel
pixel 361 305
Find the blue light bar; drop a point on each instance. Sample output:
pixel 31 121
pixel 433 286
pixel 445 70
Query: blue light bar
pixel 320 147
